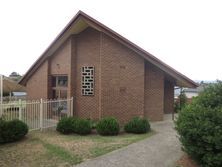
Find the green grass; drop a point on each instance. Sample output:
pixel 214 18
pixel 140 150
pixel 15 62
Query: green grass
pixel 118 142
pixel 61 153
pixel 97 151
pixel 50 148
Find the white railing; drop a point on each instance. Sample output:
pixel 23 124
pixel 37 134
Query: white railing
pixel 37 114
pixel 13 98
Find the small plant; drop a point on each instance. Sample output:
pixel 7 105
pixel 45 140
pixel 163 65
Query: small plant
pixel 108 126
pixel 66 125
pixel 11 131
pixel 69 125
pixel 93 123
pixel 82 126
pixel 137 125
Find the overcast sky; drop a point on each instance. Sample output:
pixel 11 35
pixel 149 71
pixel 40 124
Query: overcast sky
pixel 185 34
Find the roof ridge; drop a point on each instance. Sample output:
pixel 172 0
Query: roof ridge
pixel 154 60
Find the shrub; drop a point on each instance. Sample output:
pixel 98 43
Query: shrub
pixel 66 125
pixel 137 125
pixel 93 123
pixel 82 127
pixel 108 126
pixel 200 127
pixel 12 130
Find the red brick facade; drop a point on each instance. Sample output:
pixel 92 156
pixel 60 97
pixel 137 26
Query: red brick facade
pixel 37 85
pixel 154 93
pixel 126 85
pixel 168 97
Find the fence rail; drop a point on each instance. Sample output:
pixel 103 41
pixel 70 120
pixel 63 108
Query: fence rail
pixel 37 114
pixel 7 99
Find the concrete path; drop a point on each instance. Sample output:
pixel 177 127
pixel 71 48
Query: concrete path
pixel 160 150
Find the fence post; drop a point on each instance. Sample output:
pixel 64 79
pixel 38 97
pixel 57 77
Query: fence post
pixel 71 107
pixel 41 114
pixel 20 109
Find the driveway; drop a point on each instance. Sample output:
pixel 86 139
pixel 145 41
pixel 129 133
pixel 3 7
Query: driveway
pixel 160 150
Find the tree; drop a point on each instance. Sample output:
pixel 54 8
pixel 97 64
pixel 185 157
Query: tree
pixel 15 76
pixel 199 127
pixel 182 99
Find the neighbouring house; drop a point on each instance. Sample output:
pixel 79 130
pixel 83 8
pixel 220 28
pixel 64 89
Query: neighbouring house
pixel 193 92
pixel 15 76
pixel 106 74
pixel 190 92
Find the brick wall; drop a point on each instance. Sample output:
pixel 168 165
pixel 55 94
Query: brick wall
pixel 168 97
pixel 88 54
pixel 60 64
pixel 121 90
pixel 122 81
pixel 154 93
pixel 37 84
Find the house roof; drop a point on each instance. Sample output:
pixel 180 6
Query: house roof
pixel 11 86
pixel 195 90
pixel 79 23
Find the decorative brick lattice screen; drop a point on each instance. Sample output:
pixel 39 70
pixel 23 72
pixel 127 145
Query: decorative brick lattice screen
pixel 87 81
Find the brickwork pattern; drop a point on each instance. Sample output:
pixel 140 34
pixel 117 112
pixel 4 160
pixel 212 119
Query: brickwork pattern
pixel 122 79
pixel 168 97
pixel 36 86
pixel 88 54
pixel 125 84
pixel 154 93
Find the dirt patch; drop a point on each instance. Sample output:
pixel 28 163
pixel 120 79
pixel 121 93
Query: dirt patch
pixel 51 148
pixel 79 146
pixel 186 161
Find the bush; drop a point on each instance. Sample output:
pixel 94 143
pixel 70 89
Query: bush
pixel 137 125
pixel 93 123
pixel 66 125
pixel 200 127
pixel 108 126
pixel 82 127
pixel 11 131
pixel 69 125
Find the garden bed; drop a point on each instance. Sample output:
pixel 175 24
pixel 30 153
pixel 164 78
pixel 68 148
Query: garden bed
pixel 50 148
pixel 186 161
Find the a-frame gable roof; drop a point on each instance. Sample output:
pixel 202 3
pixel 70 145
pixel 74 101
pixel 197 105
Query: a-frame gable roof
pixel 80 22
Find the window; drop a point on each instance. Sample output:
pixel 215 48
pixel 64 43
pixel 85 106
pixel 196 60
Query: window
pixel 59 81
pixel 59 87
pixel 59 94
pixel 87 81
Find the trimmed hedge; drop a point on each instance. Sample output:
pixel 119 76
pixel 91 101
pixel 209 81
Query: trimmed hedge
pixel 82 127
pixel 66 125
pixel 137 125
pixel 11 131
pixel 69 125
pixel 200 127
pixel 93 123
pixel 108 126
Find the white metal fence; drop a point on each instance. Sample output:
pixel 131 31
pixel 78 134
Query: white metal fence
pixel 13 98
pixel 37 114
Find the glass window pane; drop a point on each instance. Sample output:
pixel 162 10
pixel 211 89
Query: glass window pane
pixel 53 81
pixel 62 81
pixel 63 94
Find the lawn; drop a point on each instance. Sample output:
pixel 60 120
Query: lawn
pixel 53 149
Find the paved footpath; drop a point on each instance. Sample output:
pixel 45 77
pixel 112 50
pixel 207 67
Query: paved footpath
pixel 160 150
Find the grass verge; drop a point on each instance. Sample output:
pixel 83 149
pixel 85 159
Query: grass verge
pixel 53 149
